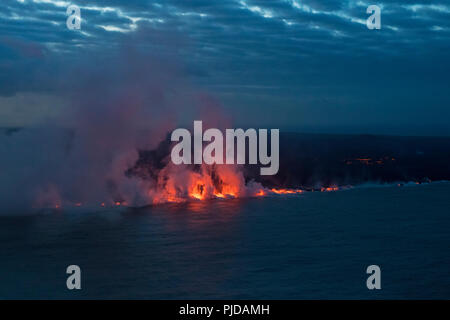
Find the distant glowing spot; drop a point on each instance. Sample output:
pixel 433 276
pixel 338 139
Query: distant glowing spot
pixel 260 193
pixel 286 191
pixel 328 189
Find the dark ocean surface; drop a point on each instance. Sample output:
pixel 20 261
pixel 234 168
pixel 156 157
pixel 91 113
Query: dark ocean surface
pixel 310 246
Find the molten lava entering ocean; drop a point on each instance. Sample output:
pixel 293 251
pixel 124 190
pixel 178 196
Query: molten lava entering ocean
pixel 176 184
pixel 180 184
pixel 153 179
pixel 184 183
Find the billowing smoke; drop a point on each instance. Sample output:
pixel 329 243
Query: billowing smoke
pixel 119 103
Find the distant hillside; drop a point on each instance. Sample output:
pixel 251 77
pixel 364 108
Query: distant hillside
pixel 318 159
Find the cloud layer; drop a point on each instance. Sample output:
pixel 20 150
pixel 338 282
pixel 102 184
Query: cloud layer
pixel 287 63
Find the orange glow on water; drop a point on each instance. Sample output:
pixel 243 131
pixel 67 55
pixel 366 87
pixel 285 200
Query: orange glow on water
pixel 286 191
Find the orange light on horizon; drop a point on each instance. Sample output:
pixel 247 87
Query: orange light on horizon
pixel 328 189
pixel 260 193
pixel 286 191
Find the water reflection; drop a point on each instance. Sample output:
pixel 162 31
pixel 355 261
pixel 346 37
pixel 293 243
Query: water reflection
pixel 194 214
pixel 314 246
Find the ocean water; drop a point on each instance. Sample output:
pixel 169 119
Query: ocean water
pixel 311 246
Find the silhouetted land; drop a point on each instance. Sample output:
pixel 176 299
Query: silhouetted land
pixel 314 160
pixel 311 160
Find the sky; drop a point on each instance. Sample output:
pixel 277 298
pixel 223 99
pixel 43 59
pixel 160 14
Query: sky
pixel 303 65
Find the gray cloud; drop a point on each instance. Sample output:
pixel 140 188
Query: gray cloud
pixel 314 59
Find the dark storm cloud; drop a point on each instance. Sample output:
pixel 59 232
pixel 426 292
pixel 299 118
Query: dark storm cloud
pixel 314 58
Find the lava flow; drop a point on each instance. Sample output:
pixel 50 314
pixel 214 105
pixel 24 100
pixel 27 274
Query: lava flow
pixel 177 185
pixel 181 184
pixel 286 191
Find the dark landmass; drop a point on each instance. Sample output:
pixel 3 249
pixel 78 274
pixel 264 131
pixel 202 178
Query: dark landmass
pixel 324 160
pixel 313 160
pixel 317 160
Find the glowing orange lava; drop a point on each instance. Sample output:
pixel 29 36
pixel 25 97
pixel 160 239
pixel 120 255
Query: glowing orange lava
pixel 286 191
pixel 327 189
pixel 180 184
pixel 260 193
pixel 207 183
pixel 177 184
